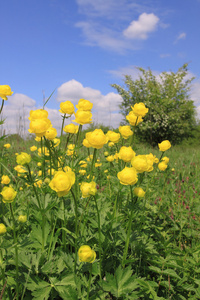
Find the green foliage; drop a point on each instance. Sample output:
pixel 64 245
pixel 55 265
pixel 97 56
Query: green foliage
pixel 171 113
pixel 146 248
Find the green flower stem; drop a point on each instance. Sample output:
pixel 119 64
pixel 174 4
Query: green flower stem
pixel 78 135
pixel 2 104
pixel 68 138
pixel 133 135
pixel 99 230
pixel 129 229
pixel 89 283
pixel 35 191
pixel 43 163
pixel 16 252
pixel 76 228
pixel 63 121
pixel 93 161
pixel 84 211
pixel 40 206
pixel 63 224
pixel 150 182
pixel 2 269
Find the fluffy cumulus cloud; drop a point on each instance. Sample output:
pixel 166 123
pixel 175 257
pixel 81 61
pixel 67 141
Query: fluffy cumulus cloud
pixel 107 24
pixel 105 107
pixel 181 36
pixel 140 29
pixel 17 109
pixel 16 113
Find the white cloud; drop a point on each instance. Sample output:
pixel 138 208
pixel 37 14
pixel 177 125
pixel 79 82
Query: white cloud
pixel 103 37
pixel 111 9
pixel 140 29
pixel 181 36
pixel 16 112
pixel 21 100
pixel 103 23
pixel 132 71
pixel 164 55
pixel 105 107
pixel 17 109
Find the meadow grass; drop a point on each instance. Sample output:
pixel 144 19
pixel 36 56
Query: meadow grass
pixel 147 248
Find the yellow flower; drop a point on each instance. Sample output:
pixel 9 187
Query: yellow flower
pixel 138 191
pixel 5 179
pixel 67 107
pixel 2 229
pixel 70 152
pixel 8 194
pixel 51 133
pixel 164 146
pixel 116 156
pixel 38 183
pixel 97 139
pixel 71 128
pixel 86 254
pixel 126 153
pixel 125 131
pixel 43 151
pixel 39 126
pixel 7 146
pixel 84 105
pixel 22 218
pixel 38 114
pixel 56 142
pixel 83 164
pixel 90 157
pixel 133 119
pixel 39 164
pixel 23 158
pixel 97 165
pixel 165 159
pixel 86 143
pixel 62 182
pixel 20 169
pixel 5 90
pixel 33 148
pixel 51 171
pixel 83 117
pixel 173 169
pixel 82 172
pixel 110 158
pixel 142 164
pixel 162 166
pixel 38 139
pixel 88 189
pixel 71 146
pixel 39 173
pixel 139 109
pixel 106 153
pixel 128 176
pixel 152 157
pixel 113 136
pixel 111 144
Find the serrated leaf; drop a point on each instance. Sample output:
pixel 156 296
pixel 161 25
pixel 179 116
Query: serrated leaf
pixel 121 283
pixel 171 273
pixel 42 293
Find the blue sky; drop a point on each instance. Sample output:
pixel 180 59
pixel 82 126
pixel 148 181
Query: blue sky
pixel 81 47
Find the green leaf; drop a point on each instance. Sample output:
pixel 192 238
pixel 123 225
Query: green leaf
pixel 121 283
pixel 42 293
pixel 171 273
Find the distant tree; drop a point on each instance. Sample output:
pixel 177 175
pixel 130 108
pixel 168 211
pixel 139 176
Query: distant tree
pixel 171 111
